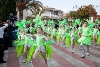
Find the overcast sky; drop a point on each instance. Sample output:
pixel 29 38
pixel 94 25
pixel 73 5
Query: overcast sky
pixel 67 5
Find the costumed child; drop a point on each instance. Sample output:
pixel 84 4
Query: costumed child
pixel 48 30
pixel 40 40
pixel 63 36
pixel 85 39
pixel 67 36
pixel 58 36
pixel 95 34
pixel 73 38
pixel 27 42
pixel 53 33
pixel 21 37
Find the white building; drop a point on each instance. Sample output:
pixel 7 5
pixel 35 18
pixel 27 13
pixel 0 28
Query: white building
pixel 52 13
pixel 48 12
pixel 25 13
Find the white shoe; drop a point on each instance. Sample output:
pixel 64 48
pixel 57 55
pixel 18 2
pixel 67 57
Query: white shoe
pixel 87 54
pixel 24 61
pixel 72 51
pixel 57 44
pixel 22 56
pixel 83 56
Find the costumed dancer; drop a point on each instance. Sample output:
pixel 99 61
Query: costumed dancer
pixel 53 33
pixel 40 47
pixel 73 38
pixel 67 36
pixel 19 43
pixel 40 38
pixel 85 39
pixel 27 42
pixel 95 35
pixel 58 36
pixel 63 36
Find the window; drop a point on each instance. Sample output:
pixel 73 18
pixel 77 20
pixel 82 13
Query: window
pixel 51 11
pixel 55 13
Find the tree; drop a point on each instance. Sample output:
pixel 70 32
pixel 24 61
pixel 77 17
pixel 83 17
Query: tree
pixel 36 7
pixel 92 10
pixel 30 18
pixel 21 5
pixel 84 12
pixel 6 9
pixel 72 14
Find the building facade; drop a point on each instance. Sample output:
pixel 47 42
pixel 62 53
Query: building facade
pixel 48 12
pixel 25 13
pixel 52 13
pixel 95 17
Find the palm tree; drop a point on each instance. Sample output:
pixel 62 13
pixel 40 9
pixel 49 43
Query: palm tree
pixel 21 5
pixel 36 7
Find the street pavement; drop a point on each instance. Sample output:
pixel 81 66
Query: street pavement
pixel 62 57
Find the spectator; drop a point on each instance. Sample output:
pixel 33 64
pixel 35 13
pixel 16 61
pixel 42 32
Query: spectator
pixel 6 37
pixel 10 33
pixel 11 18
pixel 2 27
pixel 15 32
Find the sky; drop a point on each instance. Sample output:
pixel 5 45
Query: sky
pixel 67 5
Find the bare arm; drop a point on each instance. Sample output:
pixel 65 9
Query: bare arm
pixel 45 38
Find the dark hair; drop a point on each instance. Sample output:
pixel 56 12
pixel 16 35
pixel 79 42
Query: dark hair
pixel 85 22
pixel 40 28
pixel 96 26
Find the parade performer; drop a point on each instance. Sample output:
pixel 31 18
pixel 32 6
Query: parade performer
pixel 41 46
pixel 67 37
pixel 58 35
pixel 40 38
pixel 73 38
pixel 27 40
pixel 95 35
pixel 63 36
pixel 20 42
pixel 85 39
